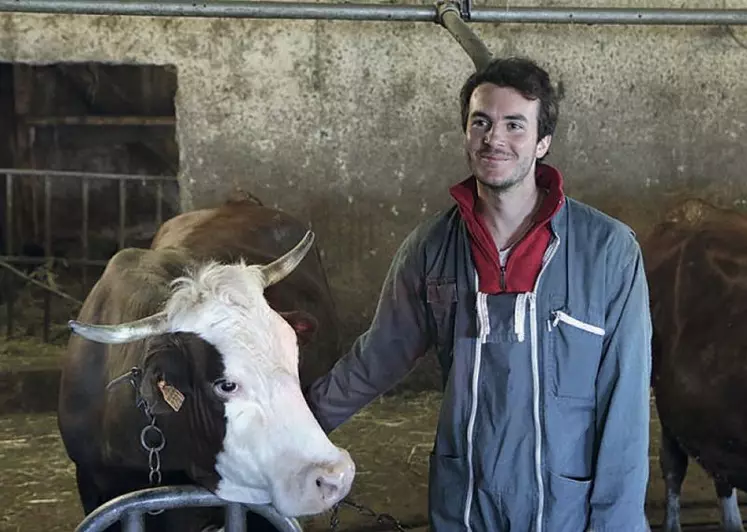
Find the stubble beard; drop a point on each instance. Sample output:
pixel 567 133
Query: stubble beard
pixel 520 173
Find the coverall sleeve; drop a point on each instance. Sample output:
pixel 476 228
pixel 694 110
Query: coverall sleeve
pixel 622 401
pixel 383 355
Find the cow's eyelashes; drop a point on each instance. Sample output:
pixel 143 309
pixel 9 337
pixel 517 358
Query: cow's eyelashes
pixel 225 388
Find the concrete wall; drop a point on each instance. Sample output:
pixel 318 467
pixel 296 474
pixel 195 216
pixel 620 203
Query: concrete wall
pixel 353 126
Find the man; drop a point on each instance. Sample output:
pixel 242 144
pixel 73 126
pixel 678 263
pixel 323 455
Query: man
pixel 537 306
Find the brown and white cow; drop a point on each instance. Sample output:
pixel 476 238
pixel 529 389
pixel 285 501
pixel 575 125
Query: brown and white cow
pixel 697 270
pixel 215 310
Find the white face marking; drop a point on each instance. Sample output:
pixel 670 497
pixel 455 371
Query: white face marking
pixel 274 450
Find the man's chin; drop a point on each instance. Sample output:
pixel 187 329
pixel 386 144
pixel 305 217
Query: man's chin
pixel 496 183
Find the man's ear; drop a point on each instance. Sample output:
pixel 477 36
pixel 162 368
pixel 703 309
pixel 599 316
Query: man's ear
pixel 166 378
pixel 543 146
pixel 303 323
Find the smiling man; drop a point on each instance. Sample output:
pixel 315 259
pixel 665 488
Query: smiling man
pixel 537 307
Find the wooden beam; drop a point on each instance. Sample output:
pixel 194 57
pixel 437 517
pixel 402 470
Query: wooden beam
pixel 22 94
pixel 99 120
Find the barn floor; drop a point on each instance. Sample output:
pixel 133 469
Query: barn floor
pixel 390 441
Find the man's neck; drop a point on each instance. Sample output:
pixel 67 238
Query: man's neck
pixel 508 214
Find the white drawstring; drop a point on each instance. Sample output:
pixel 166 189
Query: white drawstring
pixel 520 312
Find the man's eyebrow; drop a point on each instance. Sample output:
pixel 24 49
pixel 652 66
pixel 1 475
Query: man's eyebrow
pixel 479 114
pixel 516 117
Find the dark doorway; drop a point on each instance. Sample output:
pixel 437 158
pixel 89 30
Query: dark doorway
pixel 88 164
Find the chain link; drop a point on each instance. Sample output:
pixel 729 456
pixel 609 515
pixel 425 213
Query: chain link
pixel 149 432
pixel 154 449
pixel 382 519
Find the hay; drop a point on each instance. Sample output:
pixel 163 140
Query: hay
pixel 17 354
pixel 63 289
pixel 390 442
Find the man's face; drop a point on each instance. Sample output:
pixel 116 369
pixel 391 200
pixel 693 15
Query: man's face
pixel 501 137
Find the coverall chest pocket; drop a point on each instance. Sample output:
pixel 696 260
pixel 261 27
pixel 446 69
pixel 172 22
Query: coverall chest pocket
pixel 576 350
pixel 442 298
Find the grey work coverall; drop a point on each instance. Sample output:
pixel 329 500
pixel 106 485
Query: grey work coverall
pixel 545 419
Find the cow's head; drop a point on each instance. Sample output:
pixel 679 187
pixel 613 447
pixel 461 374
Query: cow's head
pixel 272 450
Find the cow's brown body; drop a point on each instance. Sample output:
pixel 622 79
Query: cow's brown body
pixel 697 271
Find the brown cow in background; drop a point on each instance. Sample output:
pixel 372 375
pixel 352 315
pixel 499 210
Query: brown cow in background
pixel 697 269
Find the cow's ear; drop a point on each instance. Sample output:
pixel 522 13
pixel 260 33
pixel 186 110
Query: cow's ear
pixel 303 323
pixel 165 381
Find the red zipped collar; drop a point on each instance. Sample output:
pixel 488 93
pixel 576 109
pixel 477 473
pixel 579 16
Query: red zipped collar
pixel 528 251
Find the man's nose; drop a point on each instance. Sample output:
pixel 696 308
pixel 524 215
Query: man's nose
pixel 493 137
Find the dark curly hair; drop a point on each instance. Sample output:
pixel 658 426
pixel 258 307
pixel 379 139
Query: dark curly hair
pixel 525 76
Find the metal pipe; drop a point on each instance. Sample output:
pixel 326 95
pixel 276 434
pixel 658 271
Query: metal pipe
pixel 122 213
pixel 170 497
pixel 450 18
pixel 14 259
pixel 366 12
pixel 91 175
pixel 47 216
pixel 159 204
pixel 580 15
pixel 8 250
pixel 235 518
pixel 134 521
pixel 84 231
pixel 8 214
pixel 9 294
pixel 47 253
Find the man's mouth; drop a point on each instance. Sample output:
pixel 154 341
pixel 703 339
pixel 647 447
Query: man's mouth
pixel 496 156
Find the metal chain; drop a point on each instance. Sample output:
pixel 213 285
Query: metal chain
pixel 158 440
pixel 154 449
pixel 382 519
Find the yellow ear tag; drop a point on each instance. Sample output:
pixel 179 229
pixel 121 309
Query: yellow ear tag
pixel 171 395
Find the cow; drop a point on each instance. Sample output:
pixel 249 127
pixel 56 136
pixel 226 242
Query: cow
pixel 211 333
pixel 696 263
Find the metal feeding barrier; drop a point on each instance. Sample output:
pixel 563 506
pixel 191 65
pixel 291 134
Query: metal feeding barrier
pixel 12 261
pixel 130 510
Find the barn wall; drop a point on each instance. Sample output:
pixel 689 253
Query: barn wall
pixel 353 126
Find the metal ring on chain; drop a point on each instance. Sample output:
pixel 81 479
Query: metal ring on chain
pixel 155 477
pixel 162 439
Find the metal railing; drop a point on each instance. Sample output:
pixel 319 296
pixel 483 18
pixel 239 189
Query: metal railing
pixel 130 510
pixel 84 261
pixel 378 12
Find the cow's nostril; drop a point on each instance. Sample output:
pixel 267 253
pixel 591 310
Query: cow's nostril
pixel 330 485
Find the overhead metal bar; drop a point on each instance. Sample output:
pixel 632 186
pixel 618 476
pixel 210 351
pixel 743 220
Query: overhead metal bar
pixel 374 12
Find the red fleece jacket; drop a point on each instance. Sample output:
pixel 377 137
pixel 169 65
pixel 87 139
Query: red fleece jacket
pixel 525 260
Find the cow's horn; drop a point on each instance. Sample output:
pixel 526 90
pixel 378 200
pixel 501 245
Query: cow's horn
pixel 279 269
pixel 124 332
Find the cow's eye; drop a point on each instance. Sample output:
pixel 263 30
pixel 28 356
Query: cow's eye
pixel 225 388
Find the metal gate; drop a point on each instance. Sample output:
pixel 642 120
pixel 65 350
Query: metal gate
pixel 130 509
pixel 12 261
